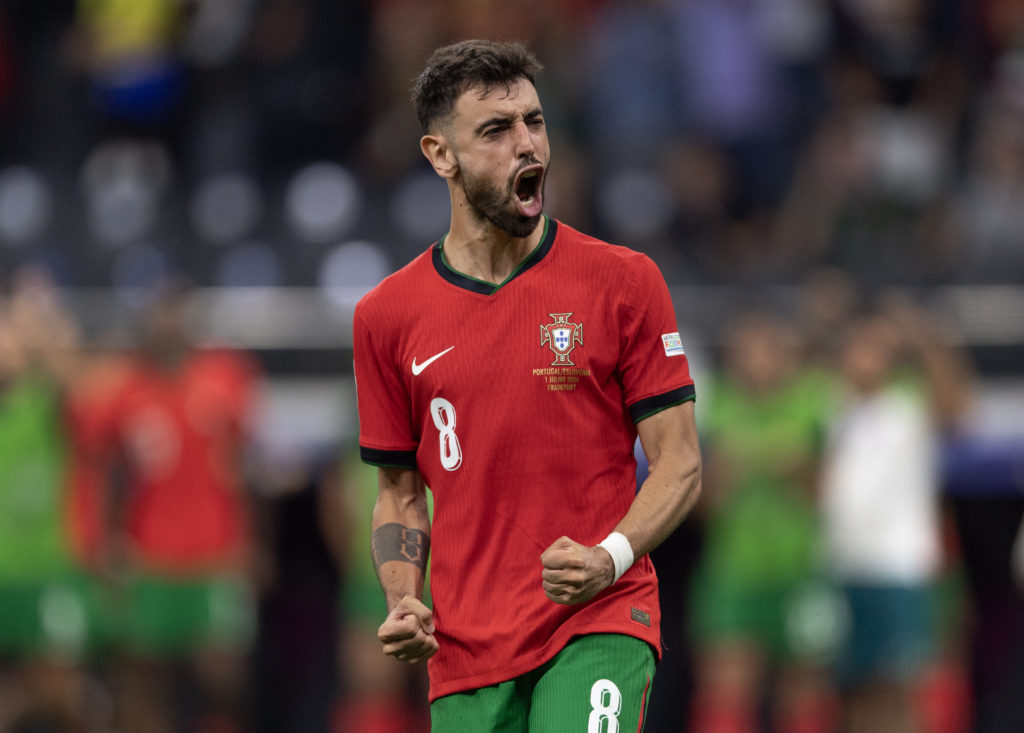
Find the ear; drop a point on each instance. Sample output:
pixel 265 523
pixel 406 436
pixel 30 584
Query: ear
pixel 437 150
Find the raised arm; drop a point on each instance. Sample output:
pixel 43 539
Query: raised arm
pixel 574 573
pixel 400 546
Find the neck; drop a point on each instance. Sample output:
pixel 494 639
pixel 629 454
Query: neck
pixel 487 253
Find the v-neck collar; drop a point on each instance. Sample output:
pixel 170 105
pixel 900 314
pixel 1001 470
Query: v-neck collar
pixel 482 286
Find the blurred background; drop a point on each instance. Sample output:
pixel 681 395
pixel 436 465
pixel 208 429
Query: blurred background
pixel 195 193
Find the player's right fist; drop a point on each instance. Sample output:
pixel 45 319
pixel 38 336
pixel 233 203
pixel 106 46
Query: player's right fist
pixel 408 631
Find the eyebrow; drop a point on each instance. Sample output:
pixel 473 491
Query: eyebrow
pixel 506 119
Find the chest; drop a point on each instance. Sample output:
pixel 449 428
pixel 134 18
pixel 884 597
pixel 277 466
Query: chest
pixel 536 346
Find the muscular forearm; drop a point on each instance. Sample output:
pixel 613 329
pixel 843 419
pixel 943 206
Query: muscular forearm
pixel 665 498
pixel 673 482
pixel 400 544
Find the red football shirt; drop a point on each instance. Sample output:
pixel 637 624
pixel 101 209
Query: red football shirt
pixel 181 434
pixel 517 404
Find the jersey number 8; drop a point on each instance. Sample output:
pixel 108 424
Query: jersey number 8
pixel 443 413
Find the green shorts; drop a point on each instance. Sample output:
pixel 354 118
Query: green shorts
pixel 598 683
pixel 796 622
pixel 167 617
pixel 68 617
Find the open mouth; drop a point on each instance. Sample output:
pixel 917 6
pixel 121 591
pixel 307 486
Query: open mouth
pixel 527 185
pixel 528 190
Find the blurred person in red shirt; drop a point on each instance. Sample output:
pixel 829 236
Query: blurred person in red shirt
pixel 162 436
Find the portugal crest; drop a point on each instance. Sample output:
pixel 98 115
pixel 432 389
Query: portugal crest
pixel 561 336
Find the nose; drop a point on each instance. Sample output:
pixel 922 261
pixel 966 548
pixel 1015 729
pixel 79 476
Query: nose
pixel 523 139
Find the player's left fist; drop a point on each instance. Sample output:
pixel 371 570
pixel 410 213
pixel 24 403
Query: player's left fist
pixel 575 573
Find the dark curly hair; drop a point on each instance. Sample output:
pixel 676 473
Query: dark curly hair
pixel 452 69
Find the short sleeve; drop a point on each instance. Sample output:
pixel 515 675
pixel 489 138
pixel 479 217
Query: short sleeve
pixel 385 431
pixel 653 367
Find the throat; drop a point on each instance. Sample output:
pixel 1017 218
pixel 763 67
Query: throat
pixel 492 260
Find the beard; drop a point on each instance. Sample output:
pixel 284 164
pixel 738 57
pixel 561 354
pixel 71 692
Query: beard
pixel 491 202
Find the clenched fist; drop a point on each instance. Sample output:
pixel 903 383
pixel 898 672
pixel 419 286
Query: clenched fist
pixel 575 573
pixel 408 632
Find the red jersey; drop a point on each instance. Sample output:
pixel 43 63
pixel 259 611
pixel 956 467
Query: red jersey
pixel 181 434
pixel 517 404
pixel 89 405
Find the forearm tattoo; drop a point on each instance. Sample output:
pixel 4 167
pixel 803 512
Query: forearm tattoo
pixel 394 542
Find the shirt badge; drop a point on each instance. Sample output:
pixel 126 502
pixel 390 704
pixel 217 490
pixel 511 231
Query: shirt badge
pixel 561 336
pixel 673 344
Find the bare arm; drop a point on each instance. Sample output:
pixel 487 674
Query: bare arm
pixel 943 363
pixel 669 439
pixel 400 546
pixel 574 573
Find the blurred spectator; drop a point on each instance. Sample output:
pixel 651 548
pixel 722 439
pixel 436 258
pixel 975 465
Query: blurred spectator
pixel 53 619
pixel 761 614
pixel 746 73
pixel 631 107
pixel 901 383
pixel 988 217
pixel 307 64
pixel 131 56
pixel 902 43
pixel 700 182
pixel 173 419
pixel 870 183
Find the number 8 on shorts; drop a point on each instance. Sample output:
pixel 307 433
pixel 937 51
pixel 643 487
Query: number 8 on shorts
pixel 606 704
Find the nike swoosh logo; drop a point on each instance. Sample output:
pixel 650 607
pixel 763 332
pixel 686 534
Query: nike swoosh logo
pixel 417 368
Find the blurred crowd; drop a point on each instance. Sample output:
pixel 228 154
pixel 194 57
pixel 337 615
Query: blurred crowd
pixel 856 562
pixel 249 141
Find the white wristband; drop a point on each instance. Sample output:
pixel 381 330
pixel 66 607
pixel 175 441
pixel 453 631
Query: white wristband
pixel 622 554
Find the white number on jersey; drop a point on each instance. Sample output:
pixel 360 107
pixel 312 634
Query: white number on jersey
pixel 443 413
pixel 606 704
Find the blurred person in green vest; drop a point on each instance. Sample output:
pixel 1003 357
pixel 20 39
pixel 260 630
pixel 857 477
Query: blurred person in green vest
pixel 53 615
pixel 763 619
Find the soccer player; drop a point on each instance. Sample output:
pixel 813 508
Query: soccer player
pixel 509 368
pixel 172 424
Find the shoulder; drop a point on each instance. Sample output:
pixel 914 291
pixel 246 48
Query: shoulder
pixel 397 289
pixel 631 268
pixel 598 248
